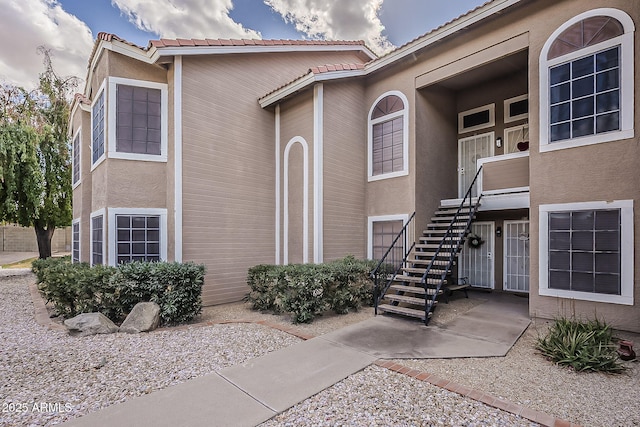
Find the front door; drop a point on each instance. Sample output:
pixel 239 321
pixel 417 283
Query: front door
pixel 516 256
pixel 477 263
pixel 470 149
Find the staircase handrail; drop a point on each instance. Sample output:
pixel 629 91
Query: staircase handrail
pixel 449 236
pixel 375 274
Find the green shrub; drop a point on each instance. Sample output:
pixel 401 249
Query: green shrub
pixel 114 291
pixel 175 287
pixel 584 346
pixel 308 290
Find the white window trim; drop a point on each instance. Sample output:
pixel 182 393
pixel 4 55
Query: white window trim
pixel 101 91
pixel 74 222
pixel 111 106
pixel 490 123
pixel 111 224
pixel 404 113
pixel 78 135
pixel 104 235
pixel 507 103
pixel 626 42
pixel 381 218
pixel 626 249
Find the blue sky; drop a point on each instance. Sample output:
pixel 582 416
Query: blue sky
pixel 69 27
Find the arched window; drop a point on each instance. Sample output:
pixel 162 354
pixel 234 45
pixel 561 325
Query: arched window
pixel 586 76
pixel 388 137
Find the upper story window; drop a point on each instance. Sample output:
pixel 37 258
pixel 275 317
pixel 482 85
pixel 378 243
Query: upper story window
pixel 97 129
pixel 75 175
pixel 138 123
pixel 586 72
pixel 388 142
pixel 139 128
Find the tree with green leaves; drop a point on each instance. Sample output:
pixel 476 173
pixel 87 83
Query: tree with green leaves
pixel 35 161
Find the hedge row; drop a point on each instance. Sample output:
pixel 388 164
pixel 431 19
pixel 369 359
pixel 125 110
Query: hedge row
pixel 308 290
pixel 114 291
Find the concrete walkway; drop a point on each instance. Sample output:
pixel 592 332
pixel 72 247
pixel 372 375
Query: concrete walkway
pixel 251 393
pixel 13 257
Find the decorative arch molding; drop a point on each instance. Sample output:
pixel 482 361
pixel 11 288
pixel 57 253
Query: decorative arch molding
pixel 305 199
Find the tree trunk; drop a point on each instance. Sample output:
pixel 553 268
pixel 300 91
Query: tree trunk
pixel 44 235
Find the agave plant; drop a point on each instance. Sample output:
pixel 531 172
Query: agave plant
pixel 584 346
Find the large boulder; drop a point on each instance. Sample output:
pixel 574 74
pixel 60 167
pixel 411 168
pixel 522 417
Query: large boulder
pixel 144 317
pixel 90 324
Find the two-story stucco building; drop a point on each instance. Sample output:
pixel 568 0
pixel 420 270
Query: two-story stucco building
pixel 236 153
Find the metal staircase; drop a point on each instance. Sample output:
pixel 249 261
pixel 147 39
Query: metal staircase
pixel 409 286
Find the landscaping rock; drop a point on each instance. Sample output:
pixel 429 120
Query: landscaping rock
pixel 90 324
pixel 144 317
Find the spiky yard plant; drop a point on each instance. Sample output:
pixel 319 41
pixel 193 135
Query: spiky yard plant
pixel 584 346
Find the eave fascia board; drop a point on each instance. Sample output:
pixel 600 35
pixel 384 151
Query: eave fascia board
pixel 156 53
pixel 495 7
pixel 304 82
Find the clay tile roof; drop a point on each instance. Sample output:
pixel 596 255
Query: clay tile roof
pixel 109 37
pixel 250 42
pixel 321 69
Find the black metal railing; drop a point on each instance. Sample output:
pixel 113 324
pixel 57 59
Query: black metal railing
pixel 451 241
pixel 393 260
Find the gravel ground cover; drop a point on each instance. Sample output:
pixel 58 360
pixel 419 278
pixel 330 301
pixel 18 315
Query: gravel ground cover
pixel 379 397
pixel 67 376
pixel 527 378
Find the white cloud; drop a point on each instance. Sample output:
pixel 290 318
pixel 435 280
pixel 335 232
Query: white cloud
pixel 336 19
pixel 185 18
pixel 27 24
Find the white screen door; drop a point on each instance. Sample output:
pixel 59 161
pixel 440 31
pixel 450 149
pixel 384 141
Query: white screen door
pixel 516 256
pixel 477 264
pixel 471 149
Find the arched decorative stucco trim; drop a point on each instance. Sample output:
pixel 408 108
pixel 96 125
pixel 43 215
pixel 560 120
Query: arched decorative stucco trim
pixel 305 199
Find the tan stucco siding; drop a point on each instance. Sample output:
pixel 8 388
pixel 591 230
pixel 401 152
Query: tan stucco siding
pixel 229 162
pixel 511 173
pixel 392 195
pixel 345 170
pixel 601 172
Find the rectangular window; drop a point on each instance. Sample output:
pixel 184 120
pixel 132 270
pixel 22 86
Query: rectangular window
pixel 76 159
pixel 383 234
pixel 388 146
pixel 97 240
pixel 138 120
pixel 516 108
pixel 97 123
pixel 137 238
pixel 584 96
pixel 75 242
pixel 477 118
pixel 584 251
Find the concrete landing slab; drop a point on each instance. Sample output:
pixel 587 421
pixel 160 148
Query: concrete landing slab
pixel 204 401
pixel 488 330
pixel 286 377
